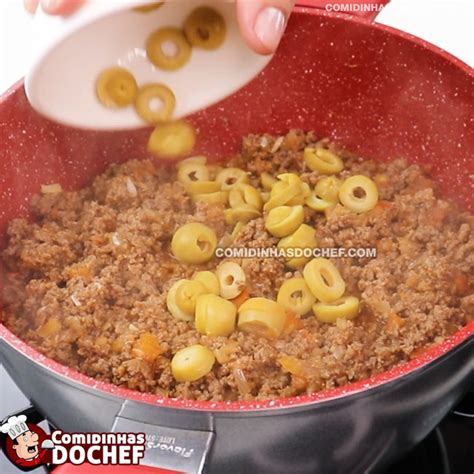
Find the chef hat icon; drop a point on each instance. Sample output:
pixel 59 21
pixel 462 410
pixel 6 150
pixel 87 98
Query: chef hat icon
pixel 15 426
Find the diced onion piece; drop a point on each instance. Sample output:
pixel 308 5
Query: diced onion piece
pixel 276 146
pixel 224 353
pixel 51 188
pixel 131 188
pixel 75 300
pixel 241 381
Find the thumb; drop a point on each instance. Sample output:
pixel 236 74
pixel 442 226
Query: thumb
pixel 31 5
pixel 262 22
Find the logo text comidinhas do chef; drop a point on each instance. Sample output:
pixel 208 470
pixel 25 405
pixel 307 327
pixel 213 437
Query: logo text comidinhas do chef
pixel 27 446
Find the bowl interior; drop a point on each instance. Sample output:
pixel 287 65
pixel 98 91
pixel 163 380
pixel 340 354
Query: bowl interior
pixel 61 82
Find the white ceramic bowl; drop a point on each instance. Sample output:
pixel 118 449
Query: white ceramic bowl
pixel 72 51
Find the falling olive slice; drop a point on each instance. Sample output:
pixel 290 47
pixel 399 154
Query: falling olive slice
pixel 168 48
pixel 116 87
pixel 155 103
pixel 172 140
pixel 205 28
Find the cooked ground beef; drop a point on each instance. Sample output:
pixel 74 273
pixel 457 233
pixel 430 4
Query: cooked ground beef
pixel 98 263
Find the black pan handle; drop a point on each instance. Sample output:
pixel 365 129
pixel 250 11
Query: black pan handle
pixel 464 411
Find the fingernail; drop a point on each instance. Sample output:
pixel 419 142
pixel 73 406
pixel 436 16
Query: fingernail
pixel 50 5
pixel 269 27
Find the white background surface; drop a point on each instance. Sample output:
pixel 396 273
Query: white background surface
pixel 446 23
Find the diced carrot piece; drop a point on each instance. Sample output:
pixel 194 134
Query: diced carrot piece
pixel 50 328
pixel 380 208
pixel 102 343
pixel 147 347
pixel 435 216
pixel 292 365
pixel 293 322
pixel 381 180
pixel 79 271
pixel 300 384
pixel 385 245
pixel 421 182
pixel 394 322
pixel 418 352
pixel 460 284
pixel 242 298
pixel 118 345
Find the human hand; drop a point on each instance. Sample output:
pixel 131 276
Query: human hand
pixel 261 22
pixel 53 7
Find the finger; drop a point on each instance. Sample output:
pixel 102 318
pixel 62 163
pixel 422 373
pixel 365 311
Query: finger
pixel 31 5
pixel 60 7
pixel 262 22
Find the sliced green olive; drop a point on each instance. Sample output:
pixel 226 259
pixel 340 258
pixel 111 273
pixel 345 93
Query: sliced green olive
pixel 192 363
pixel 346 307
pixel 194 243
pixel 205 28
pixel 155 103
pixel 149 7
pixel 172 140
pixel 168 49
pixel 116 87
